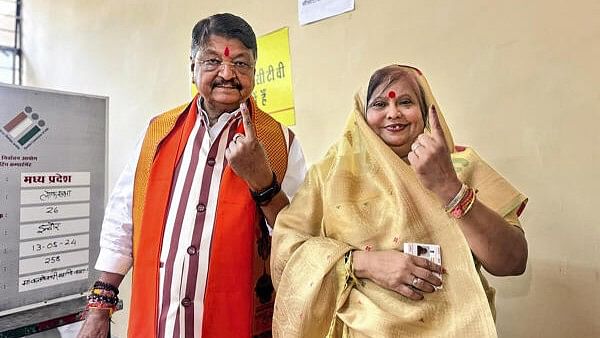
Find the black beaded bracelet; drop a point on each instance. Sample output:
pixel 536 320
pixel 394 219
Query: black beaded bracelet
pixel 103 299
pixel 106 286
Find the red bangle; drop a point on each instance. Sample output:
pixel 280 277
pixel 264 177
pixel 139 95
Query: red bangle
pixel 465 204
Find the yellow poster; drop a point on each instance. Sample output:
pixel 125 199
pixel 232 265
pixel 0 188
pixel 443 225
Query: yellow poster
pixel 273 77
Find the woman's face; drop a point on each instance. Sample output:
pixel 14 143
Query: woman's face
pixel 395 116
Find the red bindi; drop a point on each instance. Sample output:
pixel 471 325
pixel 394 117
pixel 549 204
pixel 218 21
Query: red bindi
pixel 392 94
pixel 226 51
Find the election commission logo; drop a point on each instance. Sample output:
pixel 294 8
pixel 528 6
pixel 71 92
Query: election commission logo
pixel 24 129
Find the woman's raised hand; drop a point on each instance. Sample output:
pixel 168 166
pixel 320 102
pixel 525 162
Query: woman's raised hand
pixel 409 275
pixel 430 158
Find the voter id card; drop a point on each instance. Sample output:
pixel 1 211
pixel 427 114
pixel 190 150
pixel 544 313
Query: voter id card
pixel 431 252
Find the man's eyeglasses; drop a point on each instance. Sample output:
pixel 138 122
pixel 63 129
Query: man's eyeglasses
pixel 240 67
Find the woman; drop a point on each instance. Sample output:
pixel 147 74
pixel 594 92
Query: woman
pixel 395 177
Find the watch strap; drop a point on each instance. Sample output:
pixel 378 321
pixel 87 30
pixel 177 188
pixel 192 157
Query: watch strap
pixel 264 196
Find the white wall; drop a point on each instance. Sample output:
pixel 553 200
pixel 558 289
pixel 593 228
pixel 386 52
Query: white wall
pixel 517 80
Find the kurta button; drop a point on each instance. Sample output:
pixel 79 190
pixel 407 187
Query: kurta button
pixel 192 250
pixel 201 207
pixel 186 302
pixel 211 162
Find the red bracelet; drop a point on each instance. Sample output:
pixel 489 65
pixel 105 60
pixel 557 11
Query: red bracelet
pixel 100 306
pixel 465 204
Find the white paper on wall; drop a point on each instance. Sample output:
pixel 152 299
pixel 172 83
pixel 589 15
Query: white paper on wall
pixel 314 10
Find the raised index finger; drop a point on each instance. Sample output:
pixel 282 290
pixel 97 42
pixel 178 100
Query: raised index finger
pixel 436 127
pixel 247 120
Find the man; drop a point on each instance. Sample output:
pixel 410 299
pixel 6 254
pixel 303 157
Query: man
pixel 189 212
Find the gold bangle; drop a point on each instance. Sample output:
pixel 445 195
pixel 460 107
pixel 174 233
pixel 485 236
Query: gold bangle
pixel 457 198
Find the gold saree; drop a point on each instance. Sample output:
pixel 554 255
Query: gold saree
pixel 363 196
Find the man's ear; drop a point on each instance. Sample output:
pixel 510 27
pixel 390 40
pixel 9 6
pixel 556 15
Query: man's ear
pixel 192 67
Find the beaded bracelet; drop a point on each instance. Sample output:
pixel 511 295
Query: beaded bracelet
pixel 103 299
pixel 103 296
pixel 106 286
pixel 102 292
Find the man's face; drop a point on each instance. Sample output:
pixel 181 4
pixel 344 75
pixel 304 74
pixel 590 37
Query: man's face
pixel 223 71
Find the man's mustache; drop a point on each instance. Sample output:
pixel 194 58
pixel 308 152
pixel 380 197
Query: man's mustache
pixel 231 83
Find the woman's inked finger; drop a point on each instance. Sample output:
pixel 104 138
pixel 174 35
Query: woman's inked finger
pixel 436 127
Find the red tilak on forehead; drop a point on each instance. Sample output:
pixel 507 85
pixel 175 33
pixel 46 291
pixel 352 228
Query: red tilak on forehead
pixel 226 51
pixel 392 94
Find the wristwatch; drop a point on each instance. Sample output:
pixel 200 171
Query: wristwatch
pixel 263 197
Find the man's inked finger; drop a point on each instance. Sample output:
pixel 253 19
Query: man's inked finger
pixel 247 120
